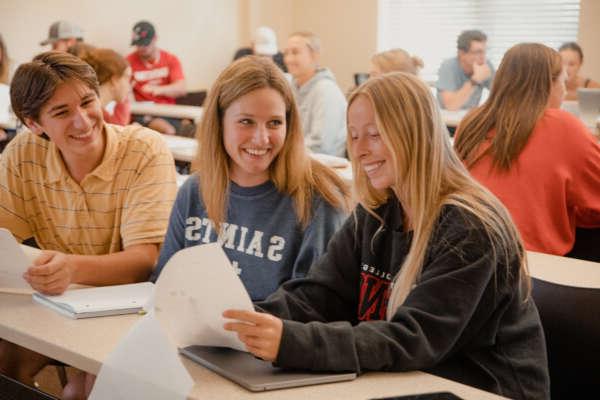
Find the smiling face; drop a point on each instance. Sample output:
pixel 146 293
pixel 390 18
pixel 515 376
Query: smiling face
pixel 254 129
pixel 72 119
pixel 367 146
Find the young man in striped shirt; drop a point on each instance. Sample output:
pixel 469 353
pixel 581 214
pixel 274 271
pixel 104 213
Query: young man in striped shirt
pixel 94 197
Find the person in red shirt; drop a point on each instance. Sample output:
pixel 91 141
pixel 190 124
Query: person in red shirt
pixel 157 75
pixel 539 160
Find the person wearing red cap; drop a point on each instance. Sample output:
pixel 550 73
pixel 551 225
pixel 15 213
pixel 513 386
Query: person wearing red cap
pixel 157 75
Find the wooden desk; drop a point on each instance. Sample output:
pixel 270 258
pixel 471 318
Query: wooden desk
pixel 167 110
pixel 564 270
pixel 86 343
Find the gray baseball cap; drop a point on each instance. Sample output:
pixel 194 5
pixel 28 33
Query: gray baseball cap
pixel 62 30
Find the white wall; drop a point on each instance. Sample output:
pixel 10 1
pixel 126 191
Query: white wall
pixel 589 35
pixel 203 33
pixel 206 33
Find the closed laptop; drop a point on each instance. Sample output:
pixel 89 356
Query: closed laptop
pixel 255 374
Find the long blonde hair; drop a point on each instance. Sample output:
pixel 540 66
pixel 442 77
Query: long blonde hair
pixel 293 171
pixel 517 100
pixel 430 176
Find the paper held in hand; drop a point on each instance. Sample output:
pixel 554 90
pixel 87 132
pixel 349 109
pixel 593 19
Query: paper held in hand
pixel 196 285
pixel 14 261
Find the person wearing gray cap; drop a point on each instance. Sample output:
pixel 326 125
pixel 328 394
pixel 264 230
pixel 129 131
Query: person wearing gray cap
pixel 62 35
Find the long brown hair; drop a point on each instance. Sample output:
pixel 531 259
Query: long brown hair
pixel 293 171
pixel 518 98
pixel 430 176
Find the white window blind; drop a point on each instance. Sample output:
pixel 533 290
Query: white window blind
pixel 429 28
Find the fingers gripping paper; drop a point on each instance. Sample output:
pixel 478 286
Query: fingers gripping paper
pixel 194 288
pixel 144 365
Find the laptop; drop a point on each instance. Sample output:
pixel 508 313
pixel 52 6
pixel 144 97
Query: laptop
pixel 589 105
pixel 255 374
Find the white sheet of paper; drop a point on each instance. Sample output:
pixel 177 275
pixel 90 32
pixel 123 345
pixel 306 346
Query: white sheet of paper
pixel 144 365
pixel 196 285
pixel 13 264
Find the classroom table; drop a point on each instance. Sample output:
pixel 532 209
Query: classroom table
pixel 85 343
pixel 564 270
pixel 167 110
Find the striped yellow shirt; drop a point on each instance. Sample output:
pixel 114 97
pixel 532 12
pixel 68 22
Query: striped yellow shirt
pixel 124 201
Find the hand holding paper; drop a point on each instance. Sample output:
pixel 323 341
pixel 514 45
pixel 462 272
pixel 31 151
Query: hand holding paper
pixel 51 273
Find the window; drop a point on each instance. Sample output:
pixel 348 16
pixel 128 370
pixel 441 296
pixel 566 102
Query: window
pixel 429 28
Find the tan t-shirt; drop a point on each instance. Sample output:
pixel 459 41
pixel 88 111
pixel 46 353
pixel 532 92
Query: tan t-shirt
pixel 125 201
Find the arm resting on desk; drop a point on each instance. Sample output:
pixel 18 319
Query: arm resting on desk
pixel 53 271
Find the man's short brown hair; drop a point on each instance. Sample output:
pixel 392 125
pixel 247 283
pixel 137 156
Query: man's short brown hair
pixel 466 37
pixel 35 82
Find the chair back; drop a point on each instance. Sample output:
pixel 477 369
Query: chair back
pixel 571 320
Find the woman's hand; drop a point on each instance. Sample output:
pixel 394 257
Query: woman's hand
pixel 51 273
pixel 260 332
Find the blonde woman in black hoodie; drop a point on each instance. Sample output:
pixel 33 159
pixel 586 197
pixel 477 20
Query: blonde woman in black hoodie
pixel 429 274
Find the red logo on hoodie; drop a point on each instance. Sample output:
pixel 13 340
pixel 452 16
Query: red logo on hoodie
pixel 374 296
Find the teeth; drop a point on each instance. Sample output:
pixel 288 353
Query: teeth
pixel 257 152
pixel 83 135
pixel 371 167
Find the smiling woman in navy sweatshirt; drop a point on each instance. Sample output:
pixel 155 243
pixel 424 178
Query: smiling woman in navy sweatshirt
pixel 429 274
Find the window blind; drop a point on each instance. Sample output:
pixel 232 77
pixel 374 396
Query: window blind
pixel 429 28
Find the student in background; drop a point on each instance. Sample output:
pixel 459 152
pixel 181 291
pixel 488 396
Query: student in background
pixel 62 35
pixel 572 57
pixel 264 43
pixel 461 79
pixel 114 76
pixel 157 76
pixel 272 206
pixel 540 161
pixel 394 60
pixel 429 274
pixel 321 102
pixel 94 197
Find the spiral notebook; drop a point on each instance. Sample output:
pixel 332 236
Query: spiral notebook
pixel 99 301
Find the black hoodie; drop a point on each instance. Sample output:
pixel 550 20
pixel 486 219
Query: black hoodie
pixel 465 319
